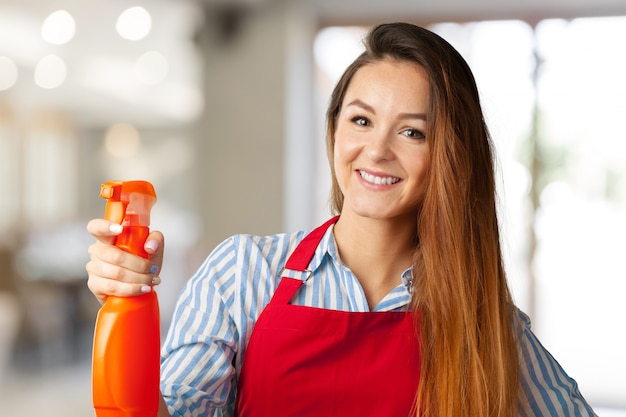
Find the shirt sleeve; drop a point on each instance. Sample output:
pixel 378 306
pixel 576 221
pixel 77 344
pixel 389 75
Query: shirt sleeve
pixel 197 373
pixel 546 390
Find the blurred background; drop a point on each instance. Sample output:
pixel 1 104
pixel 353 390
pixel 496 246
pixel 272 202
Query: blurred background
pixel 220 103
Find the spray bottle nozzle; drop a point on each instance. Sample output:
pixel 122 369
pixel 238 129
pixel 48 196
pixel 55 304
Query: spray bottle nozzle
pixel 129 204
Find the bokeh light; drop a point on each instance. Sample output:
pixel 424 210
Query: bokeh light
pixel 8 73
pixel 122 140
pixel 58 28
pixel 50 72
pixel 134 23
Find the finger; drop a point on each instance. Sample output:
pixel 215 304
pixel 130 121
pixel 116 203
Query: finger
pixel 112 271
pixel 102 287
pixel 104 230
pixel 155 245
pixel 118 264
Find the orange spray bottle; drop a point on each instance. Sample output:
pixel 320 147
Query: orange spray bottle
pixel 125 362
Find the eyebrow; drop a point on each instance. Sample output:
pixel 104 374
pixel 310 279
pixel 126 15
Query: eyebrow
pixel 360 103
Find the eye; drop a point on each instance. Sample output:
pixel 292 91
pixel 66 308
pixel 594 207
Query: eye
pixel 360 121
pixel 413 134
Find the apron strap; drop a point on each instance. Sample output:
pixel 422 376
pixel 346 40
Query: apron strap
pixel 302 255
pixel 299 261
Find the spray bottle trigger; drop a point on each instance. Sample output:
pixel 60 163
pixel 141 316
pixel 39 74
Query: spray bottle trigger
pixel 115 208
pixel 115 211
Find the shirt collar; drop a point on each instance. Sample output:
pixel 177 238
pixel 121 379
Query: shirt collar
pixel 328 246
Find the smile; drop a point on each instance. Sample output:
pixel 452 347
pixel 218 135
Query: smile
pixel 373 179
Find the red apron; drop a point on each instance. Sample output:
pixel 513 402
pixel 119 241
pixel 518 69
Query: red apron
pixel 305 361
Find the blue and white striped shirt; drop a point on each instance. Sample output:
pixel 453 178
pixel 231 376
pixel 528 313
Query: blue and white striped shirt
pixel 216 312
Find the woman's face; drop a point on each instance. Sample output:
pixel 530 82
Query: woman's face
pixel 381 155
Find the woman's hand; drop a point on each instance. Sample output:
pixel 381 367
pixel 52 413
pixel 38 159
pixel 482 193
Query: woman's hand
pixel 113 271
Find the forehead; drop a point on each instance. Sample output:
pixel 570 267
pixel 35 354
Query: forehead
pixel 390 77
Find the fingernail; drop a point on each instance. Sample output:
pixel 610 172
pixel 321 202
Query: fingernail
pixel 153 269
pixel 116 228
pixel 146 289
pixel 151 245
pixel 156 280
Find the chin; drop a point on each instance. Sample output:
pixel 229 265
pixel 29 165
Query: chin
pixel 373 213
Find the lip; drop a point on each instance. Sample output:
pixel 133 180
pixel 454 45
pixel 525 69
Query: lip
pixel 376 179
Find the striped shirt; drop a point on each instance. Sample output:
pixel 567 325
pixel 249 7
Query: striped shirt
pixel 218 307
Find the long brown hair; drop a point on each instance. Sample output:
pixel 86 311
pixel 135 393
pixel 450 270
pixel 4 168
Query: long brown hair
pixel 469 354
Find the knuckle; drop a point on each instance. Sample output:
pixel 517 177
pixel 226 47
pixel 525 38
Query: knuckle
pixel 91 249
pixel 89 267
pixel 117 273
pixel 91 285
pixel 111 287
pixel 117 256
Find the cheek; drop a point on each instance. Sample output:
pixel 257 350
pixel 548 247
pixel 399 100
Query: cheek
pixel 423 176
pixel 342 164
pixel 337 160
pixel 340 154
pixel 418 168
pixel 424 168
pixel 346 147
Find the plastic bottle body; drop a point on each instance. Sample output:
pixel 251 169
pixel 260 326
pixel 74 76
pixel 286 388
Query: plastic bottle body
pixel 126 360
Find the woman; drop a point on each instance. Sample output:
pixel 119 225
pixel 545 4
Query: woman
pixel 398 305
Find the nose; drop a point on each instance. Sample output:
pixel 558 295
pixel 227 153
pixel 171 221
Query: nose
pixel 379 147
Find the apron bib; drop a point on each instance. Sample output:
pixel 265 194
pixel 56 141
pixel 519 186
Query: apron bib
pixel 304 361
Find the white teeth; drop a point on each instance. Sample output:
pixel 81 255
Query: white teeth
pixel 372 179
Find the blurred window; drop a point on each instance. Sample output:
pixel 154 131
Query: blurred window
pixel 50 187
pixel 9 172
